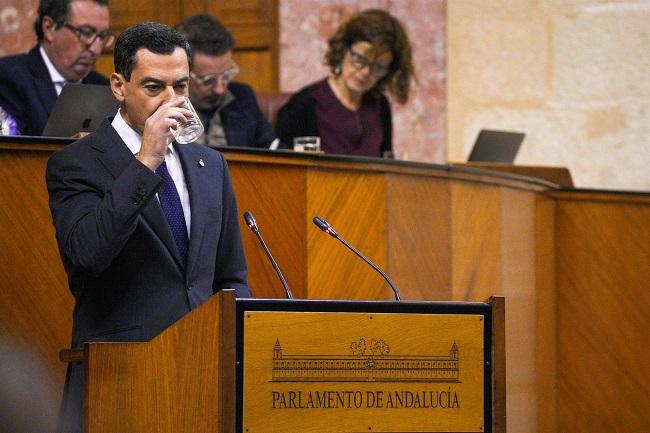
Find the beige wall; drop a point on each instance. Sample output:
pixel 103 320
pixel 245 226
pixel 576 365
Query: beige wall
pixel 572 74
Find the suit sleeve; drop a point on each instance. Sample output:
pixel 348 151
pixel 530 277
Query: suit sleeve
pixel 230 266
pixel 93 222
pixel 10 95
pixel 264 134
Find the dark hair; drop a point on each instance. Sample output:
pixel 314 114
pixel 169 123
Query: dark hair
pixel 57 10
pixel 206 35
pixel 155 37
pixel 384 32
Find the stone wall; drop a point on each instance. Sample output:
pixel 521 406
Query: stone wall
pixel 572 74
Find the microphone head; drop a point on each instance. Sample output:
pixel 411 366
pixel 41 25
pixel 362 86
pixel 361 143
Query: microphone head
pixel 324 226
pixel 250 220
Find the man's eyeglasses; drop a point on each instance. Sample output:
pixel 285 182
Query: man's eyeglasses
pixel 87 35
pixel 360 62
pixel 210 80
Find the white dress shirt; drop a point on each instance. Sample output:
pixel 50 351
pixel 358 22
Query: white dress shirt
pixel 133 141
pixel 58 80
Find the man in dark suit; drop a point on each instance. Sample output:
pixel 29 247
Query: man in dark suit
pixel 71 35
pixel 147 228
pixel 228 109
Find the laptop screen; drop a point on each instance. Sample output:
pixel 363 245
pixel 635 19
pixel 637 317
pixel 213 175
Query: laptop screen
pixel 80 108
pixel 496 146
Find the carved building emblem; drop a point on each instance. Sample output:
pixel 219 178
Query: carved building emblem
pixel 371 362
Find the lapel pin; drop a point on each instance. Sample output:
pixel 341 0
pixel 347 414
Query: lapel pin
pixel 201 163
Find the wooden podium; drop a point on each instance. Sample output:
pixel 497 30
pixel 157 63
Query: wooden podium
pixel 181 381
pixel 346 366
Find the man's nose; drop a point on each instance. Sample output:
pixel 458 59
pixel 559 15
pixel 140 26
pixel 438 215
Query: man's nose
pixel 219 87
pixel 96 47
pixel 171 93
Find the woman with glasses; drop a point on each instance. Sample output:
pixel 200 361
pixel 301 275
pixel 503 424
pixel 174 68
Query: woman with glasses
pixel 369 55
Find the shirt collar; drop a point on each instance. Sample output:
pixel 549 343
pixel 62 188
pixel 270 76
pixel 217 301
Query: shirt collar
pixel 130 136
pixel 54 73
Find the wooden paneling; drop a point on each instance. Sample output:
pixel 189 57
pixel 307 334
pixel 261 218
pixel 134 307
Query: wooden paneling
pixel 256 67
pixel 499 370
pixel 35 304
pixel 573 266
pixel 603 300
pixel 475 241
pixel 181 381
pixel 494 251
pixel 545 306
pixel 517 262
pixel 253 24
pixel 419 236
pixel 353 203
pixel 275 194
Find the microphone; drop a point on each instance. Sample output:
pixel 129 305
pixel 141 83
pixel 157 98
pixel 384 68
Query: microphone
pixel 324 226
pixel 252 224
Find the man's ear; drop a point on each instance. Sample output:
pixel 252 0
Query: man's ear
pixel 48 25
pixel 117 86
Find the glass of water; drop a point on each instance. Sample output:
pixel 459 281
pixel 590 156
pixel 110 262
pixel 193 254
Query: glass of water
pixel 191 129
pixel 306 144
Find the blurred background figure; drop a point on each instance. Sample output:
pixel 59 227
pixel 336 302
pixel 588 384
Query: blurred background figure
pixel 28 400
pixel 369 55
pixel 71 36
pixel 228 109
pixel 7 124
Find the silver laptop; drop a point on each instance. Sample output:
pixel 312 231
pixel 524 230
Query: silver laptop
pixel 496 146
pixel 80 108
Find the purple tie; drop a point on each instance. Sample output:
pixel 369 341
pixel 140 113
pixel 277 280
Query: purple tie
pixel 171 206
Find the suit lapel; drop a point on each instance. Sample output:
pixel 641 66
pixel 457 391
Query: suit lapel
pixel 42 79
pixel 116 156
pixel 190 155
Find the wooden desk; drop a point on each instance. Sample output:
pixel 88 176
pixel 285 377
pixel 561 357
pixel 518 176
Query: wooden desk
pixel 573 265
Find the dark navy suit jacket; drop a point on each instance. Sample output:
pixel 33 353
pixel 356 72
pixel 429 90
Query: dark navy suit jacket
pixel 27 91
pixel 123 266
pixel 243 121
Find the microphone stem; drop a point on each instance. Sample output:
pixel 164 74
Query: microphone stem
pixel 275 265
pixel 372 265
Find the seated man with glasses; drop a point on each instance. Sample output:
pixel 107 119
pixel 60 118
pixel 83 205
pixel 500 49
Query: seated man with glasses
pixel 228 109
pixel 369 55
pixel 71 36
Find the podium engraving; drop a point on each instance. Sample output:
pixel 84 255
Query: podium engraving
pixel 366 363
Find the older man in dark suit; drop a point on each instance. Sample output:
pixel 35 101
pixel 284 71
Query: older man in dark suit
pixel 147 228
pixel 71 35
